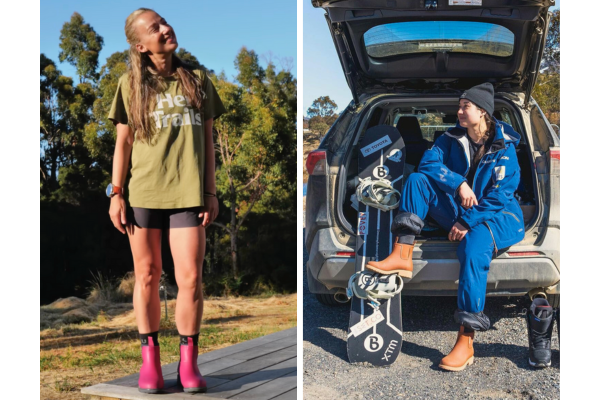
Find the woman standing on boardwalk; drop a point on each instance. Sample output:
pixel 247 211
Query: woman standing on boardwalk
pixel 164 111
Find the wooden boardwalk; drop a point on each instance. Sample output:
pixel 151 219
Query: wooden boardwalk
pixel 263 368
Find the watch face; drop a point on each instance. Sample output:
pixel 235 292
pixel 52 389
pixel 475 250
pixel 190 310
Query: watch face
pixel 109 189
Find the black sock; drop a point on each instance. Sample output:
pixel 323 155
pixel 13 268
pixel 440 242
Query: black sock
pixel 183 339
pixel 468 330
pixel 144 338
pixel 406 239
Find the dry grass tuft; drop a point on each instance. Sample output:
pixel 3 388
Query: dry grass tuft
pixel 125 288
pixel 105 291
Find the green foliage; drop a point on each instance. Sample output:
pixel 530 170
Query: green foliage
pixel 251 74
pixel 431 119
pixel 254 141
pixel 80 46
pixel 552 48
pixel 190 59
pixel 318 126
pixel 547 87
pixel 100 133
pixel 322 107
pixel 322 115
pixel 547 94
pixel 64 114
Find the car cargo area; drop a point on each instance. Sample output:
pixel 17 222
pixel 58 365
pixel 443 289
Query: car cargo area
pixel 420 124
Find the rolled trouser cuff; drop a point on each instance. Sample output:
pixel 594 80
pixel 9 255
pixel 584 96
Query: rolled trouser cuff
pixel 406 223
pixel 475 321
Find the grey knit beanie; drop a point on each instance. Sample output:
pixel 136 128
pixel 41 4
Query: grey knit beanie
pixel 482 95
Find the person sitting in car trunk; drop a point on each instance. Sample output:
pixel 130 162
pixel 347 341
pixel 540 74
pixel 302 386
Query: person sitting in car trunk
pixel 466 182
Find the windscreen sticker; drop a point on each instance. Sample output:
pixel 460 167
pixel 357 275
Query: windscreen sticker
pixel 376 146
pixel 367 323
pixel 363 223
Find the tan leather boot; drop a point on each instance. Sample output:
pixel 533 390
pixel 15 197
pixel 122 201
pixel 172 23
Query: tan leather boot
pixel 399 262
pixel 462 354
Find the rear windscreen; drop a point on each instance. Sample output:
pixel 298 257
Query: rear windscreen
pixel 434 36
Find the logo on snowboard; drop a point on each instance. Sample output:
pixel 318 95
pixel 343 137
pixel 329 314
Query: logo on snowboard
pixel 367 323
pixel 381 171
pixel 395 155
pixel 390 350
pixel 363 223
pixel 376 146
pixel 373 342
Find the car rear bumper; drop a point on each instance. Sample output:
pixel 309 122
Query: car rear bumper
pixel 327 272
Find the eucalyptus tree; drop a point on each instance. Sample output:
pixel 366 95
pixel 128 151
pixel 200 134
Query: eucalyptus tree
pixel 80 46
pixel 256 143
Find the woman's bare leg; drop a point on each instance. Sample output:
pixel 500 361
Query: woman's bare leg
pixel 188 246
pixel 145 247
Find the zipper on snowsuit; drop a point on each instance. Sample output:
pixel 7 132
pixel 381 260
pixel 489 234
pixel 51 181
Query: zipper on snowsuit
pixel 493 240
pixel 514 216
pixel 479 168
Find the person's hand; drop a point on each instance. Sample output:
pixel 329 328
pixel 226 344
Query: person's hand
pixel 457 233
pixel 467 196
pixel 117 212
pixel 210 210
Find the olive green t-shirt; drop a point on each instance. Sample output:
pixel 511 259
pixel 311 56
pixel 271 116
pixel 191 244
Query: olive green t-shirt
pixel 169 173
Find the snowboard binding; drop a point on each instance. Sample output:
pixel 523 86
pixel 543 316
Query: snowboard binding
pixel 374 287
pixel 378 194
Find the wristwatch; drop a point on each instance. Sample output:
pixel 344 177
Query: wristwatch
pixel 112 190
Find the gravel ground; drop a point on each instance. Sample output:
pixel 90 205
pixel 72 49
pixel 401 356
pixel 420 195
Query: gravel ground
pixel 500 371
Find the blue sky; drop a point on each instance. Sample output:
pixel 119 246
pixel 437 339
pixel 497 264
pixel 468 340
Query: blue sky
pixel 207 29
pixel 323 75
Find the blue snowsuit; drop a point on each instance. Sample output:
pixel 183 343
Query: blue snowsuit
pixel 495 223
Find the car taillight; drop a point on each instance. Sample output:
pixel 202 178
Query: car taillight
pixel 523 253
pixel 316 162
pixel 345 254
pixel 555 161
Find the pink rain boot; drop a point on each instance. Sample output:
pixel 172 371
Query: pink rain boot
pixel 188 374
pixel 151 379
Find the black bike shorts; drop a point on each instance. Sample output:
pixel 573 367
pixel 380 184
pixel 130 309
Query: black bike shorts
pixel 153 218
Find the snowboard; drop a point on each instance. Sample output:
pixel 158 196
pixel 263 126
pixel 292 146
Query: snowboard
pixel 375 336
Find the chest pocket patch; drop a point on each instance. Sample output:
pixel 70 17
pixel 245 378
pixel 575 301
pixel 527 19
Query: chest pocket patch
pixel 500 172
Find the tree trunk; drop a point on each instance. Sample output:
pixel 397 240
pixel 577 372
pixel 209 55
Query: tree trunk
pixel 53 168
pixel 234 255
pixel 233 235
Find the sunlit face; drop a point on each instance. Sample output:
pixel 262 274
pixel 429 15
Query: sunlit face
pixel 469 115
pixel 155 35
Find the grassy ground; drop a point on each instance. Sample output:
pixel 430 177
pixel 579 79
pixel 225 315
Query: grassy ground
pixel 78 355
